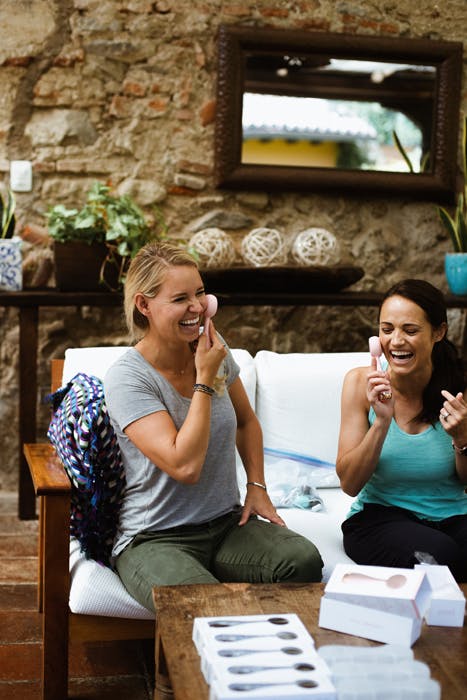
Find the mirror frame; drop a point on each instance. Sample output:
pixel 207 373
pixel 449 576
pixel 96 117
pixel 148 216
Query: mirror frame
pixel 235 41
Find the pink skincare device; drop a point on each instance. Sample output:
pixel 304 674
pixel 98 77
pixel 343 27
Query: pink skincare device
pixel 211 309
pixel 376 351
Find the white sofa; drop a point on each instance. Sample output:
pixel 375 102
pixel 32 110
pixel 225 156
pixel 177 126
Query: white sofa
pixel 297 399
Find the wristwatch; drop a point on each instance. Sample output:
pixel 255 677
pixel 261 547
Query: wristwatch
pixel 459 450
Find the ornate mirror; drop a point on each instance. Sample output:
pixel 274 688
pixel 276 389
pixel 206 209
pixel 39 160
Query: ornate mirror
pixel 357 114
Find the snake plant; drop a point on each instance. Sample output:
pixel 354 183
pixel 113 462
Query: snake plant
pixel 7 215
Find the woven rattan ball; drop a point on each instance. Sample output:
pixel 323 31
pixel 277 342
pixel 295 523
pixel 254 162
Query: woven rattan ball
pixel 264 246
pixel 316 246
pixel 214 248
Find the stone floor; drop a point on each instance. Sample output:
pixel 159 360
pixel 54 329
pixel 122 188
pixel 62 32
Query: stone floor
pixel 98 671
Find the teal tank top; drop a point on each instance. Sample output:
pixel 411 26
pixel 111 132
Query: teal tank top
pixel 417 473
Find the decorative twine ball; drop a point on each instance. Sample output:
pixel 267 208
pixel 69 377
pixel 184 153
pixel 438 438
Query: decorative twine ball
pixel 264 246
pixel 315 246
pixel 214 247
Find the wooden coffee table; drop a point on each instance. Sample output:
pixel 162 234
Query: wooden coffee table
pixel 444 649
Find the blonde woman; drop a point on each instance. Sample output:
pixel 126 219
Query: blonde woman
pixel 179 410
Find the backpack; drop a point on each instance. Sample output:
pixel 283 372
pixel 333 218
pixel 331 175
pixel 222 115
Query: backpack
pixel 86 443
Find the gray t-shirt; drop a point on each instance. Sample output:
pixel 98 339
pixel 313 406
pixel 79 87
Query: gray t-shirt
pixel 153 500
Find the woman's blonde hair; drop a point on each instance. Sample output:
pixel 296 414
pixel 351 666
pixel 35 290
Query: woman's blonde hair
pixel 146 274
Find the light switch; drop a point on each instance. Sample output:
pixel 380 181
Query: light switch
pixel 21 175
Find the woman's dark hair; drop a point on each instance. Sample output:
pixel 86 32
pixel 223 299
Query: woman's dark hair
pixel 448 370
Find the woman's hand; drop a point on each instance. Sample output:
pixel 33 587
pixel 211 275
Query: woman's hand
pixel 257 502
pixel 209 355
pixel 453 417
pixel 378 387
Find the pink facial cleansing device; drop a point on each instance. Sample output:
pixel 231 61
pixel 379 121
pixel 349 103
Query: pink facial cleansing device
pixel 376 351
pixel 211 309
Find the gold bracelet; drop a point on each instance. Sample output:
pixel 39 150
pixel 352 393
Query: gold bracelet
pixel 256 483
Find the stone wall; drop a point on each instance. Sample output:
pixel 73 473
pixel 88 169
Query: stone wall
pixel 123 91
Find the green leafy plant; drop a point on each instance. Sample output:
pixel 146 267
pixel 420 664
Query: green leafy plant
pixel 456 225
pixel 117 222
pixel 7 215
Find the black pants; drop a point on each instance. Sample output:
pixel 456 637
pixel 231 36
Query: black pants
pixel 390 536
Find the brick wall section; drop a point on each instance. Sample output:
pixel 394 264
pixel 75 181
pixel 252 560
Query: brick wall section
pixel 124 91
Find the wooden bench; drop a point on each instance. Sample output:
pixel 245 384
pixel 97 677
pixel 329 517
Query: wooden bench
pixel 59 625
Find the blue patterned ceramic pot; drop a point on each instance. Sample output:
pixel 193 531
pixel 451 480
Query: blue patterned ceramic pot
pixel 11 265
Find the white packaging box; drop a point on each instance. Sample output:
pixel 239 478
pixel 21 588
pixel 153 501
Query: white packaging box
pixel 206 629
pixel 379 603
pixel 222 641
pixel 261 665
pixel 277 687
pixel 447 602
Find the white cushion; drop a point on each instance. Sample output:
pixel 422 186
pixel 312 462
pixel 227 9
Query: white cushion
pixel 247 372
pixel 323 527
pixel 97 590
pixel 92 361
pixel 298 404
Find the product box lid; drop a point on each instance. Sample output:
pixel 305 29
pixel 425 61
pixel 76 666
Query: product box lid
pixel 404 592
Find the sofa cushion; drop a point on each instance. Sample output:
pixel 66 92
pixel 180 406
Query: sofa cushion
pixel 95 361
pixel 323 527
pixel 97 590
pixel 298 405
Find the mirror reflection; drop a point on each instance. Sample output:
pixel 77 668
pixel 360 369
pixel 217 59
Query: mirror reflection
pixel 371 104
pixel 311 111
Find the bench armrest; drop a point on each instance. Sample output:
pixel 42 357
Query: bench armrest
pixel 47 472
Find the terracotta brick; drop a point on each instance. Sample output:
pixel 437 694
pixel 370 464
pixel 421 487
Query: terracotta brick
pixel 237 10
pixel 208 112
pixel 189 166
pixel 174 189
pixel 69 59
pixel 134 89
pixel 18 61
pixel 159 105
pixel 274 12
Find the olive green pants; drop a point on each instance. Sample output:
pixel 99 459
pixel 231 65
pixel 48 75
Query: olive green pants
pixel 216 551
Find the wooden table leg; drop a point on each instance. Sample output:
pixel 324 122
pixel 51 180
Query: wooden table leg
pixel 28 318
pixel 162 686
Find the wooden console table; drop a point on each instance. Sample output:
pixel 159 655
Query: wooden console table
pixel 30 301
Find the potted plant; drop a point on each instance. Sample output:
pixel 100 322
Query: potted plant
pixel 455 264
pixel 11 273
pixel 93 245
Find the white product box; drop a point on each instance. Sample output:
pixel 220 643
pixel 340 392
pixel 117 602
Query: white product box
pixel 206 630
pixel 275 640
pixel 261 665
pixel 447 602
pixel 280 687
pixel 379 603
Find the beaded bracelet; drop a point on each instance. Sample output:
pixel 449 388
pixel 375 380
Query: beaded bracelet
pixel 204 389
pixel 256 483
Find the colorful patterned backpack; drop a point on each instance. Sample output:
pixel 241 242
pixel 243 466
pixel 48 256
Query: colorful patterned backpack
pixel 86 443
